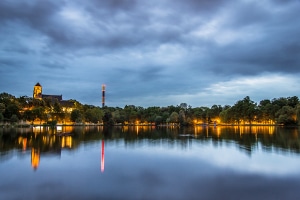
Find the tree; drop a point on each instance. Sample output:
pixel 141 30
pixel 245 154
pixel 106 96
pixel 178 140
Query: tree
pixel 14 118
pixel 39 102
pixel 76 116
pixel 118 116
pixel 224 116
pixel 286 116
pixel 93 115
pixel 165 116
pixel 174 117
pixel 11 109
pixel 6 98
pixel 245 110
pixel 183 106
pixel 293 101
pixel 2 108
pixel 265 111
pixel 56 106
pixel 158 120
pixel 181 118
pixel 1 117
pixel 29 115
pixel 25 101
pixel 39 113
pixel 77 104
pixel 108 119
pixel 298 113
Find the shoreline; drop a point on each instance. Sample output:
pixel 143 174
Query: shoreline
pixel 26 125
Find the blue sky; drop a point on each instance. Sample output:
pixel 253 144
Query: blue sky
pixel 151 53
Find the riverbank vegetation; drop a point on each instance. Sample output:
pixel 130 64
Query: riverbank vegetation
pixel 26 110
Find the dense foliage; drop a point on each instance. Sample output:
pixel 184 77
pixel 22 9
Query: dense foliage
pixel 281 110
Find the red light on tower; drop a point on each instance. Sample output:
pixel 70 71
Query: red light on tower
pixel 102 156
pixel 103 95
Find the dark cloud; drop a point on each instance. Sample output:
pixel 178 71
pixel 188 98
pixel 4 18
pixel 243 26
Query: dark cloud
pixel 248 14
pixel 54 65
pixel 15 47
pixel 268 55
pixel 284 2
pixel 272 47
pixel 151 73
pixel 114 5
pixel 5 63
pixel 158 47
pixel 35 13
pixel 202 6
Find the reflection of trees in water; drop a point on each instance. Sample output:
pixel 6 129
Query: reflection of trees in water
pixel 270 138
pixel 248 138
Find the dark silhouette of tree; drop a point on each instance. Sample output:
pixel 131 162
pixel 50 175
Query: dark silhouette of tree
pixel 108 119
pixel 76 116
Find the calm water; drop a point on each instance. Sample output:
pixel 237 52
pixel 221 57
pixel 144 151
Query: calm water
pixel 150 163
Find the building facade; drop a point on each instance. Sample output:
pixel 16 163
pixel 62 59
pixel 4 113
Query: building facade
pixel 37 91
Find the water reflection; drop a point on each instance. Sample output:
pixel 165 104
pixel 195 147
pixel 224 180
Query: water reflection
pixel 203 162
pixel 35 158
pixel 102 156
pixel 42 140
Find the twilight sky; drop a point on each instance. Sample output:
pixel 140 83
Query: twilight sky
pixel 151 53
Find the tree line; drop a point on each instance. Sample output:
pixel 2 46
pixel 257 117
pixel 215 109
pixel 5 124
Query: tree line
pixel 283 111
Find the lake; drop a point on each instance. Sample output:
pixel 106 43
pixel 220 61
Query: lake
pixel 144 162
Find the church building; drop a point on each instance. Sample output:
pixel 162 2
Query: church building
pixel 67 106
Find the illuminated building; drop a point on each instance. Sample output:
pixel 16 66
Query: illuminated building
pixel 67 106
pixel 37 91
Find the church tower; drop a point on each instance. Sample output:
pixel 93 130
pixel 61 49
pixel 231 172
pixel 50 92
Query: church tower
pixel 37 91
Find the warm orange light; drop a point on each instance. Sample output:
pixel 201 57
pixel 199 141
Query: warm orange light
pixel 24 144
pixel 35 158
pixel 66 141
pixel 69 141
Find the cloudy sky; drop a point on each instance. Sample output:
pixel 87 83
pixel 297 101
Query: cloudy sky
pixel 151 53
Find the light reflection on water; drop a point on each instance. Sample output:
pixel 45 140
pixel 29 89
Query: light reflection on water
pixel 150 163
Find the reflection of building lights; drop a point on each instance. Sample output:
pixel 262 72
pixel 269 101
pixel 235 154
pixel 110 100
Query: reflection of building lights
pixel 23 141
pixel 24 144
pixel 66 141
pixel 35 158
pixel 69 141
pixel 218 132
pixel 271 130
pixel 102 156
pixel 37 129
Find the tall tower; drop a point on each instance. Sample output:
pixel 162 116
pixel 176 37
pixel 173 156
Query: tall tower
pixel 37 91
pixel 103 95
